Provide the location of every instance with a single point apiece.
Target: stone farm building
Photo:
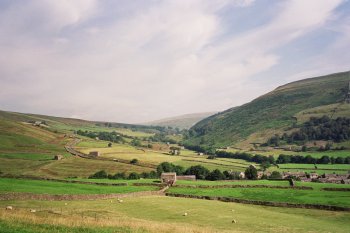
(94, 153)
(168, 177)
(189, 177)
(58, 157)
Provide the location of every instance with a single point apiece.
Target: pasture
(335, 198)
(53, 187)
(165, 214)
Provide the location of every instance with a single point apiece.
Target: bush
(275, 175)
(199, 171)
(169, 167)
(119, 176)
(99, 175)
(134, 161)
(211, 157)
(215, 175)
(134, 176)
(251, 173)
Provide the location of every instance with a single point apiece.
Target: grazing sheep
(9, 208)
(233, 210)
(234, 221)
(32, 211)
(111, 201)
(65, 203)
(185, 214)
(120, 201)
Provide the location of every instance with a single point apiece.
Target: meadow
(165, 214)
(54, 187)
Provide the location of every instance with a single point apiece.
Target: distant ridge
(185, 121)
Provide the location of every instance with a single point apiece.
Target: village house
(293, 174)
(241, 175)
(313, 175)
(335, 178)
(94, 153)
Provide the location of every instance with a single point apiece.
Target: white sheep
(120, 201)
(32, 211)
(185, 214)
(234, 221)
(9, 207)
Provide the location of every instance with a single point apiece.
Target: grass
(274, 195)
(186, 159)
(26, 156)
(165, 214)
(51, 187)
(309, 168)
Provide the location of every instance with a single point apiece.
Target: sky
(138, 61)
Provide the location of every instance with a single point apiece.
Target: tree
(275, 175)
(109, 144)
(265, 165)
(215, 175)
(199, 171)
(251, 173)
(135, 142)
(134, 176)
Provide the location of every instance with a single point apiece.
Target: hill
(273, 112)
(183, 121)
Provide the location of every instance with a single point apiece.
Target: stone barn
(189, 177)
(58, 157)
(94, 153)
(168, 178)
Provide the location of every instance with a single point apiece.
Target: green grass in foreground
(51, 187)
(16, 226)
(335, 198)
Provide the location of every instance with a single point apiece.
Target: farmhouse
(313, 175)
(58, 157)
(94, 153)
(189, 177)
(293, 174)
(168, 178)
(241, 175)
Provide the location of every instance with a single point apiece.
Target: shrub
(134, 176)
(199, 171)
(251, 173)
(134, 161)
(215, 175)
(275, 175)
(99, 175)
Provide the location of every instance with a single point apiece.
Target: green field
(335, 198)
(52, 187)
(165, 214)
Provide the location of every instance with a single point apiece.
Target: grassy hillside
(182, 122)
(271, 112)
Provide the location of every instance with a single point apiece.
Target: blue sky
(137, 61)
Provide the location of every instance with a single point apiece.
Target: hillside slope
(272, 111)
(182, 122)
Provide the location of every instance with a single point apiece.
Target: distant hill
(273, 112)
(182, 122)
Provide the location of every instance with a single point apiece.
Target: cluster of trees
(199, 171)
(322, 128)
(311, 160)
(122, 176)
(246, 156)
(107, 136)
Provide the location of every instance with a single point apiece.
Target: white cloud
(160, 59)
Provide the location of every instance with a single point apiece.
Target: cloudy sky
(136, 61)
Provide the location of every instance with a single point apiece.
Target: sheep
(32, 211)
(185, 214)
(233, 210)
(65, 203)
(9, 207)
(234, 221)
(120, 201)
